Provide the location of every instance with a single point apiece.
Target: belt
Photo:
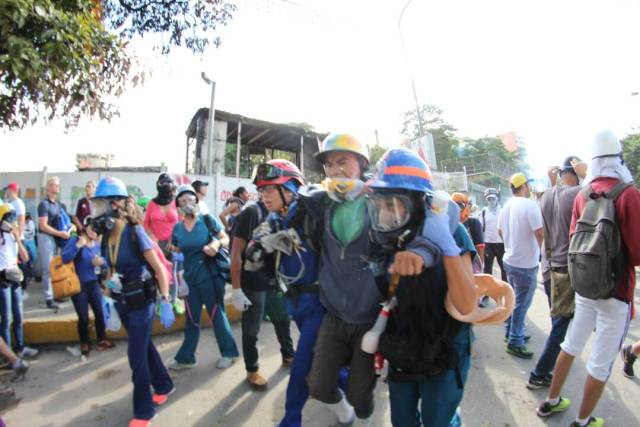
(294, 291)
(564, 270)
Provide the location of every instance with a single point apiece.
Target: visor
(100, 207)
(187, 199)
(267, 172)
(389, 212)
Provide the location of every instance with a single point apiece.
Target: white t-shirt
(203, 208)
(519, 219)
(8, 251)
(489, 219)
(18, 205)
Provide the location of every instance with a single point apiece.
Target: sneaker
(593, 422)
(256, 381)
(527, 338)
(137, 422)
(52, 305)
(225, 362)
(161, 399)
(546, 409)
(287, 361)
(521, 352)
(628, 358)
(28, 353)
(178, 366)
(536, 383)
(19, 370)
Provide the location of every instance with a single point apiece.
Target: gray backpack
(595, 252)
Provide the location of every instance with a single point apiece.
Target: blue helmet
(402, 169)
(110, 187)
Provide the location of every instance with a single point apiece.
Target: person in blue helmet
(296, 270)
(136, 279)
(199, 238)
(427, 349)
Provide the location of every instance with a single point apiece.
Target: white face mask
(343, 189)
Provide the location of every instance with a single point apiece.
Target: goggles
(267, 172)
(461, 205)
(389, 212)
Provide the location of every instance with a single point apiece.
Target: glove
(436, 230)
(167, 318)
(240, 300)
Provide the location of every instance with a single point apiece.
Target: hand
(437, 231)
(407, 263)
(97, 260)
(15, 232)
(167, 318)
(211, 249)
(240, 300)
(580, 168)
(64, 235)
(82, 241)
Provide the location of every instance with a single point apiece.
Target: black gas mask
(395, 219)
(103, 216)
(166, 188)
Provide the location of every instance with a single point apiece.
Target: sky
(553, 72)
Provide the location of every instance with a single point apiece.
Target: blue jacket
(82, 258)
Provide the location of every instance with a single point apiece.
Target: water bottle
(114, 283)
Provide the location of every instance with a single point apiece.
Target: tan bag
(562, 294)
(64, 280)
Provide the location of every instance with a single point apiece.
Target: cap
(198, 183)
(517, 180)
(13, 186)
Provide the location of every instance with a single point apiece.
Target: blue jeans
(90, 295)
(205, 294)
(523, 282)
(273, 305)
(47, 249)
(547, 361)
(146, 365)
(11, 311)
(439, 396)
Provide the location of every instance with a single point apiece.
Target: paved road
(62, 391)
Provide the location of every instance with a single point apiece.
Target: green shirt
(347, 219)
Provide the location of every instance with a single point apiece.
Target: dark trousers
(146, 365)
(271, 303)
(338, 345)
(90, 295)
(559, 326)
(491, 251)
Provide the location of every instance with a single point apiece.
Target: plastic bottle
(371, 338)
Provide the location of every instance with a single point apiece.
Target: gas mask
(394, 219)
(104, 216)
(188, 204)
(343, 189)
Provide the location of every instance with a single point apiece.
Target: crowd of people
(371, 264)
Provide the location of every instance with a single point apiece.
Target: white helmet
(606, 143)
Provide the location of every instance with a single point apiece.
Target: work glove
(437, 230)
(240, 300)
(167, 318)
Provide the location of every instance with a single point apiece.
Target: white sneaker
(28, 353)
(225, 362)
(177, 366)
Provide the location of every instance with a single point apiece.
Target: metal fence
(450, 181)
(482, 163)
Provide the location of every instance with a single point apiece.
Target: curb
(51, 331)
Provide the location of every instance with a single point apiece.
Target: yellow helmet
(342, 142)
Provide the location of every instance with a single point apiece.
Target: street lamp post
(209, 169)
(406, 58)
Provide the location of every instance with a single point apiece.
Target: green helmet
(143, 201)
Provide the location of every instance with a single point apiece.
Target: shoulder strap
(207, 221)
(616, 190)
(484, 224)
(545, 227)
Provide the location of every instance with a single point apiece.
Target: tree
(69, 58)
(375, 153)
(443, 133)
(631, 154)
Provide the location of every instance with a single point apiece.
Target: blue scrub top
(190, 244)
(129, 265)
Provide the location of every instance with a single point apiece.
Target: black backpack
(596, 254)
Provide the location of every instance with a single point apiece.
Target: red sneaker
(161, 399)
(136, 422)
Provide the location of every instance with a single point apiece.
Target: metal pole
(238, 140)
(210, 126)
(406, 58)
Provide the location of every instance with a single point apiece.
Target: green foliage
(631, 153)
(59, 58)
(375, 153)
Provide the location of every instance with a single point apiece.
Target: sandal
(105, 345)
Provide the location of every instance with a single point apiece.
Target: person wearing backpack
(493, 244)
(556, 205)
(199, 243)
(84, 252)
(520, 226)
(136, 278)
(603, 252)
(49, 211)
(255, 293)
